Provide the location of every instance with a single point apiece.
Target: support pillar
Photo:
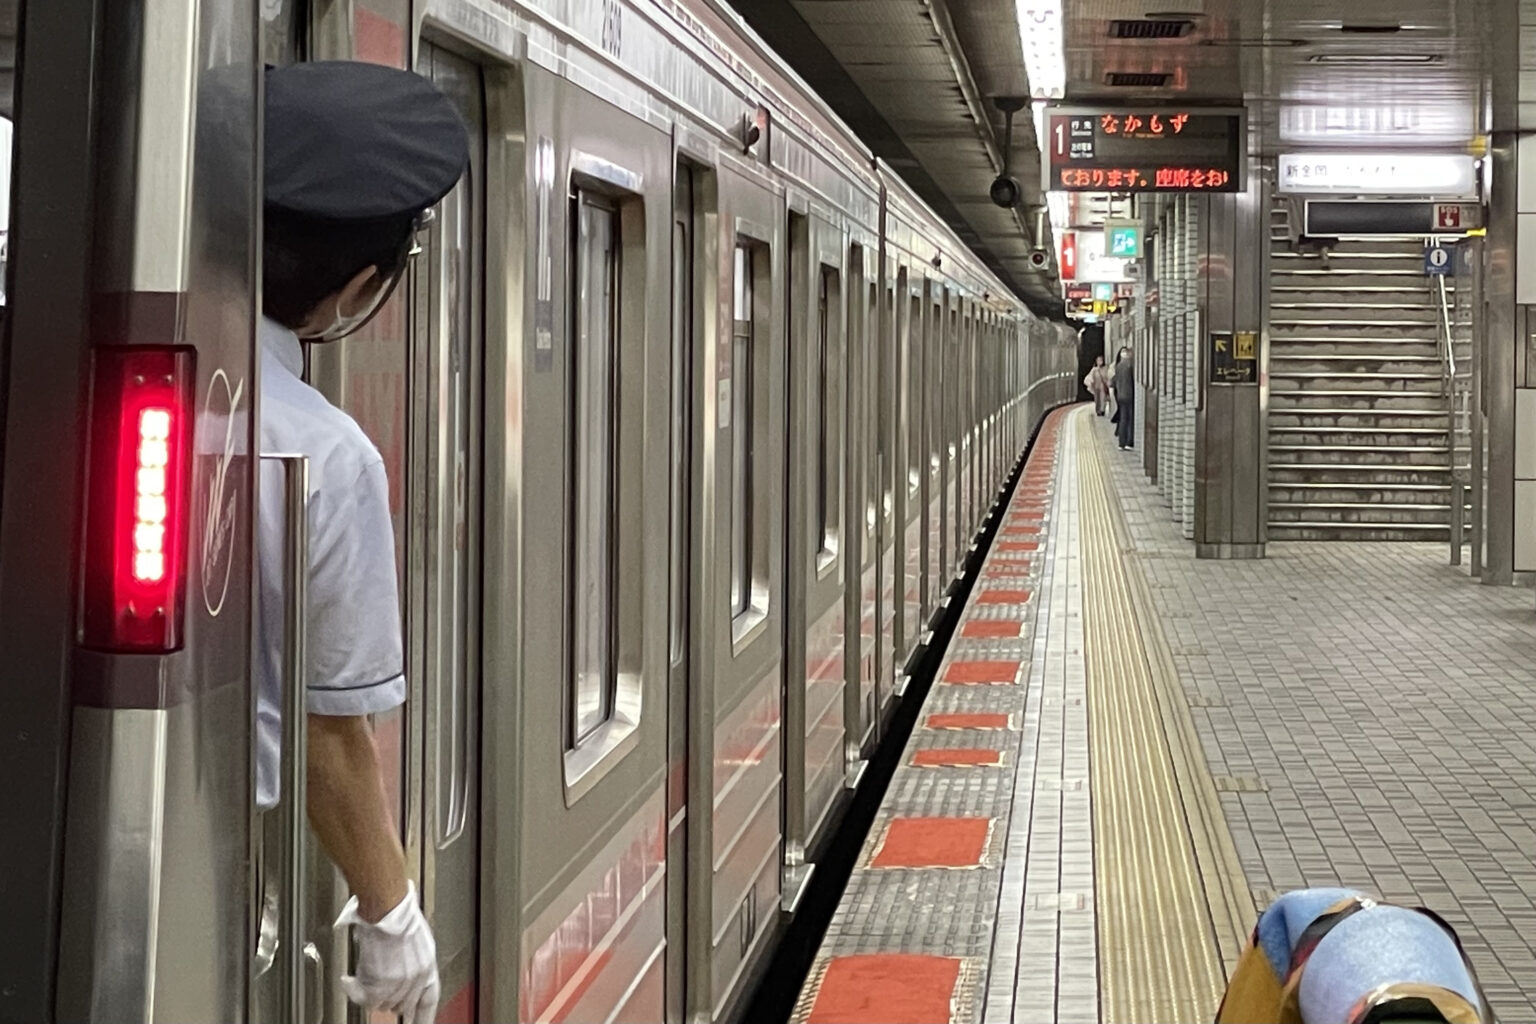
(1231, 478)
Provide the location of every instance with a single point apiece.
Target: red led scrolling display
(1152, 126)
(1183, 179)
(139, 493)
(1170, 150)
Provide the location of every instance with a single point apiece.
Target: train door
(441, 794)
(892, 483)
(873, 479)
(794, 494)
(933, 447)
(687, 205)
(910, 480)
(736, 791)
(593, 465)
(987, 366)
(950, 447)
(45, 336)
(858, 519)
(814, 626)
(968, 428)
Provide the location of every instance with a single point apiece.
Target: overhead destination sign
(1145, 149)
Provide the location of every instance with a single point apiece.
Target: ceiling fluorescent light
(1045, 57)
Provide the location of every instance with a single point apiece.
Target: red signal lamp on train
(138, 494)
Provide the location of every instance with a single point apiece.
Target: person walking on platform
(1125, 399)
(1097, 385)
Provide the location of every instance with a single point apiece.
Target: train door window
(595, 403)
(6, 129)
(914, 393)
(935, 385)
(829, 358)
(282, 32)
(681, 435)
(889, 432)
(452, 431)
(748, 409)
(872, 410)
(741, 431)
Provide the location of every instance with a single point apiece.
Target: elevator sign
(1145, 149)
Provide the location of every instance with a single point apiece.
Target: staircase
(1359, 431)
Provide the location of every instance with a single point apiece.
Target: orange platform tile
(886, 988)
(991, 629)
(1001, 595)
(933, 843)
(961, 757)
(981, 672)
(968, 721)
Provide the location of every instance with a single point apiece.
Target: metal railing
(1457, 411)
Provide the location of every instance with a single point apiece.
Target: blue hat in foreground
(350, 141)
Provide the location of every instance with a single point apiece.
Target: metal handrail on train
(297, 959)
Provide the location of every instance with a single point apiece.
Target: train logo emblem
(222, 509)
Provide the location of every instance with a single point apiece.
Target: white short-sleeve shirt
(355, 664)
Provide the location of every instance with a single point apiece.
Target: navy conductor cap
(350, 141)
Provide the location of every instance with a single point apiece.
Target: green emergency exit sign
(1122, 239)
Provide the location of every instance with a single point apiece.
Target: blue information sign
(1438, 260)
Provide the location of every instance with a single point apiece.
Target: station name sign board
(1377, 174)
(1145, 149)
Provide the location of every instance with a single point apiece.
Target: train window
(682, 404)
(828, 406)
(915, 350)
(5, 204)
(282, 33)
(593, 499)
(871, 406)
(889, 435)
(743, 427)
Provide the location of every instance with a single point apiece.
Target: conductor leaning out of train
(355, 155)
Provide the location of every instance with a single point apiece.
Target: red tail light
(139, 492)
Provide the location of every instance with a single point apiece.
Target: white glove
(396, 961)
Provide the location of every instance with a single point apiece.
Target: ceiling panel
(1336, 73)
(920, 69)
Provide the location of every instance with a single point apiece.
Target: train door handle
(293, 952)
(266, 928)
(314, 969)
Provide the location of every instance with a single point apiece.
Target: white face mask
(341, 326)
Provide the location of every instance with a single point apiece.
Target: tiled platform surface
(1382, 709)
(990, 806)
(1368, 715)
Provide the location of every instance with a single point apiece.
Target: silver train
(691, 411)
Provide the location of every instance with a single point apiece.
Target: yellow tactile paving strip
(1173, 906)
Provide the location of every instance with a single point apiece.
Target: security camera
(1039, 259)
(1005, 192)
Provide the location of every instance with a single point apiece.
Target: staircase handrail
(1447, 334)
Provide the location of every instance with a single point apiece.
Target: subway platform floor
(1127, 752)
